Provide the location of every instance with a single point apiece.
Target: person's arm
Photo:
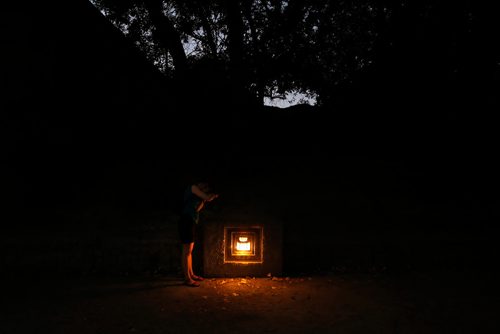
(204, 196)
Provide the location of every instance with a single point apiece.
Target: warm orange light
(242, 244)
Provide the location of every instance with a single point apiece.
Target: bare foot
(192, 284)
(197, 278)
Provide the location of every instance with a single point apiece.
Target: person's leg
(191, 273)
(192, 276)
(186, 229)
(190, 261)
(187, 250)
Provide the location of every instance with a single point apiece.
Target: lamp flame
(243, 244)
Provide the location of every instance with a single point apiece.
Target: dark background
(398, 173)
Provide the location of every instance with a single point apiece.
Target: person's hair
(204, 181)
(200, 181)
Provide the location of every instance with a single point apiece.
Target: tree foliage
(265, 48)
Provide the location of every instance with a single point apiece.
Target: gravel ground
(409, 303)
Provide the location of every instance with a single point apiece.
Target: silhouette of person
(195, 197)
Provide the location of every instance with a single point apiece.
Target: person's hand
(213, 196)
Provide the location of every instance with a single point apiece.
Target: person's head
(204, 186)
(203, 183)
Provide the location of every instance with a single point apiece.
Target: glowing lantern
(243, 245)
(251, 246)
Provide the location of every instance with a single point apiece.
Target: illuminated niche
(243, 245)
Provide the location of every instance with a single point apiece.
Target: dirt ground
(348, 303)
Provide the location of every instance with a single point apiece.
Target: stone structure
(263, 257)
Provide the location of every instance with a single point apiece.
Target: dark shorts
(187, 229)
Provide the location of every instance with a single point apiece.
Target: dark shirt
(191, 202)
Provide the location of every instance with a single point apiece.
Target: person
(195, 197)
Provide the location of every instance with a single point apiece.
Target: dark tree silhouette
(334, 50)
(265, 48)
(166, 34)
